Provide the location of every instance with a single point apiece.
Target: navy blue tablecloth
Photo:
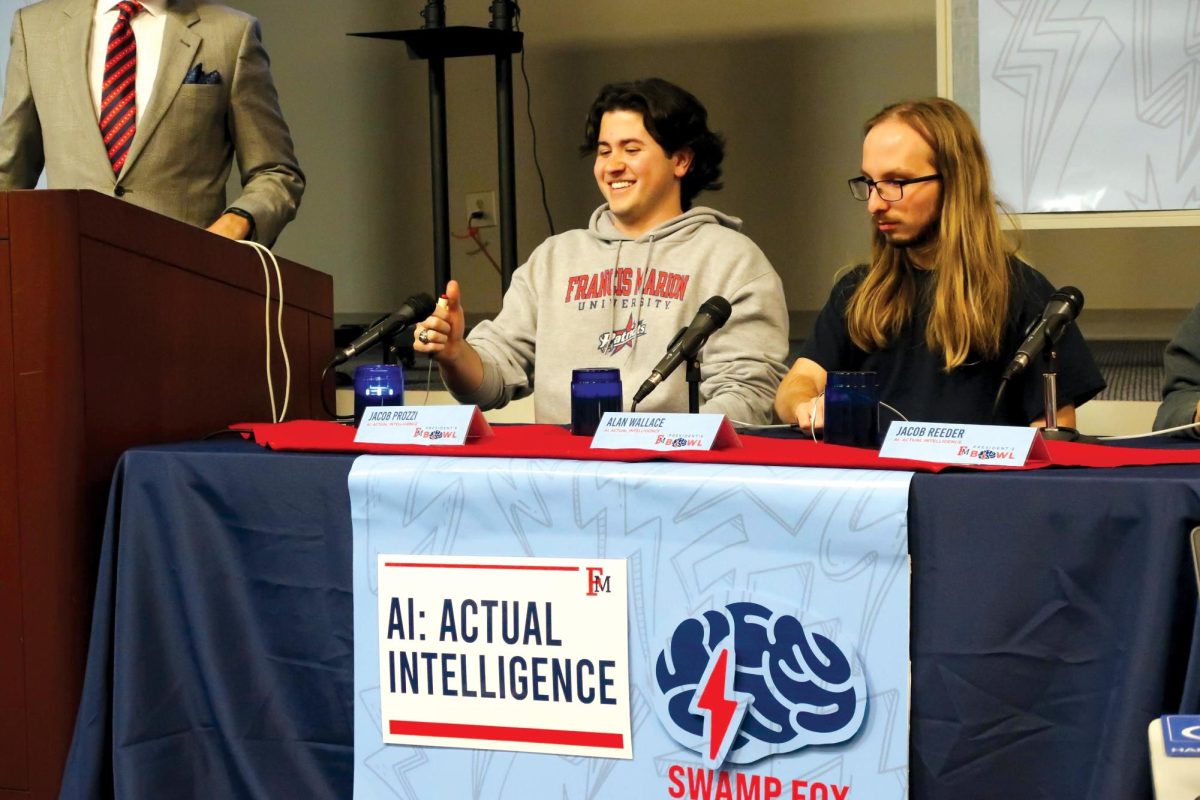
(1054, 616)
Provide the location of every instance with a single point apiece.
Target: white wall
(357, 116)
(789, 83)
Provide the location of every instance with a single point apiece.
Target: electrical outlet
(481, 209)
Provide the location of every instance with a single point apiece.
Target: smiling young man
(944, 303)
(615, 294)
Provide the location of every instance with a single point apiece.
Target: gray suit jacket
(180, 157)
(1181, 390)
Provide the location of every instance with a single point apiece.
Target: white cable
(428, 382)
(267, 331)
(287, 364)
(751, 427)
(1152, 433)
(812, 414)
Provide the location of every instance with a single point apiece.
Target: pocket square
(197, 75)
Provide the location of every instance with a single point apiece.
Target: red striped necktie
(118, 104)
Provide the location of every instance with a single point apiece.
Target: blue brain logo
(790, 688)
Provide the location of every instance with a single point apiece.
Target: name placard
(524, 654)
(650, 431)
(954, 443)
(429, 425)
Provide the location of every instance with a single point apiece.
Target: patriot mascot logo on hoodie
(613, 342)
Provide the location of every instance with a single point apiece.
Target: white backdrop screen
(1084, 105)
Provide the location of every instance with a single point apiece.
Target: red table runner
(553, 441)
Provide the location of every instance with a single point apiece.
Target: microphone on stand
(415, 308)
(714, 312)
(1061, 310)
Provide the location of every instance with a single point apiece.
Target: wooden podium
(118, 327)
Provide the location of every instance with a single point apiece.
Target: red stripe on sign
(497, 733)
(477, 566)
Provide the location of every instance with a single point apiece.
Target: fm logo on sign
(742, 682)
(598, 582)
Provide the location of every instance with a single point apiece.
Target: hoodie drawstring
(637, 326)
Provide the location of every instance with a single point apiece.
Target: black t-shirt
(912, 378)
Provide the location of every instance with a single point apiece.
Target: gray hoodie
(597, 298)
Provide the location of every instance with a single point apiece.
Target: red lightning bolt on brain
(721, 707)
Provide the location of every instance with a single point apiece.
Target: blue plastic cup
(852, 408)
(377, 385)
(593, 392)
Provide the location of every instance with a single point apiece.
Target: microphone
(714, 312)
(1061, 310)
(417, 307)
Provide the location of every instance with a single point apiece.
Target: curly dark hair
(676, 120)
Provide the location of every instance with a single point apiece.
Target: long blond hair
(970, 267)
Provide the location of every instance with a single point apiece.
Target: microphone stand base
(1068, 435)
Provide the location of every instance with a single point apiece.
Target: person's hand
(801, 396)
(441, 333)
(441, 337)
(810, 414)
(231, 226)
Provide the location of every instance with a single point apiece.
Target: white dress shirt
(148, 26)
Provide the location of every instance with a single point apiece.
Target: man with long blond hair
(944, 302)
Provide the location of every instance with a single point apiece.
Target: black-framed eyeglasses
(890, 190)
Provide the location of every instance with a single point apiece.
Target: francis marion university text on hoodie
(597, 298)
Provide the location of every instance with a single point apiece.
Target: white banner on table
(505, 654)
(767, 624)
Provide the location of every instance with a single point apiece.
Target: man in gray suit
(204, 93)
